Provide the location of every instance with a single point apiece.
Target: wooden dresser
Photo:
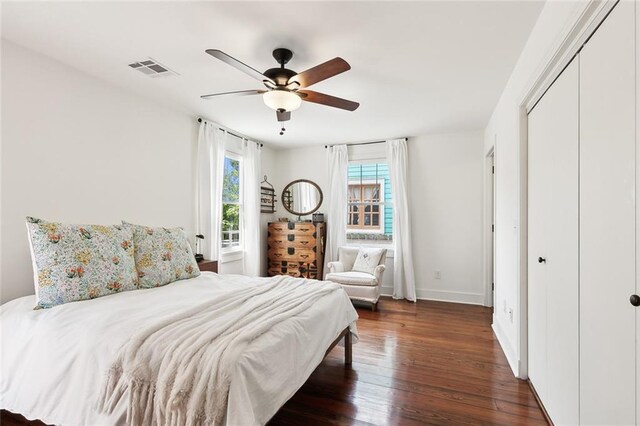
(296, 249)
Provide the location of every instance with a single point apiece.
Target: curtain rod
(359, 143)
(200, 120)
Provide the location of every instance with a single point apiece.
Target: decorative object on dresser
(208, 265)
(302, 197)
(267, 197)
(296, 249)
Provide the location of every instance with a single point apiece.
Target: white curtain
(210, 163)
(404, 285)
(337, 205)
(251, 207)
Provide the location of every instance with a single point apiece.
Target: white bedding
(54, 361)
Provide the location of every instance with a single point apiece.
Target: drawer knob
(635, 300)
(542, 260)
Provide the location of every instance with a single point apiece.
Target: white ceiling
(417, 67)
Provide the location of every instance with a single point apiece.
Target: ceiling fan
(285, 88)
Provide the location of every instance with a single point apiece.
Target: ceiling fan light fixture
(281, 100)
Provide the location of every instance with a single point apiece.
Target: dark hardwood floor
(416, 363)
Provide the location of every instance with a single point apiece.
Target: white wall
(445, 180)
(79, 150)
(300, 163)
(503, 130)
(445, 184)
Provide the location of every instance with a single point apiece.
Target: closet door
(607, 221)
(553, 248)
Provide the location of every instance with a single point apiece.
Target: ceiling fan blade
(237, 93)
(332, 101)
(320, 72)
(239, 65)
(283, 115)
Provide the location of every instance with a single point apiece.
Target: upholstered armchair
(360, 286)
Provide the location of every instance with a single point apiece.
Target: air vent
(152, 68)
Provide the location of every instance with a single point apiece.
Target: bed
(56, 361)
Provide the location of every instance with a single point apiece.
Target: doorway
(490, 228)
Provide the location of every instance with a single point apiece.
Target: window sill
(231, 255)
(373, 244)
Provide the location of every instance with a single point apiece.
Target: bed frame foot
(347, 348)
(348, 342)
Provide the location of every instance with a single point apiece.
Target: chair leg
(374, 307)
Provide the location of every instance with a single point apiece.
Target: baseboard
(508, 350)
(443, 296)
(540, 404)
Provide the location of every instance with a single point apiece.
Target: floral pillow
(162, 255)
(79, 262)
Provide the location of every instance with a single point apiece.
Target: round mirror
(302, 197)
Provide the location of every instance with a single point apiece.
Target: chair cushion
(348, 255)
(353, 278)
(367, 260)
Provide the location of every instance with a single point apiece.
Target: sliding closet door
(607, 221)
(553, 248)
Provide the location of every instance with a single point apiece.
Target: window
(364, 207)
(369, 206)
(231, 205)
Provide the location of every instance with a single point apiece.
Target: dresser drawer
(292, 254)
(291, 240)
(296, 228)
(294, 269)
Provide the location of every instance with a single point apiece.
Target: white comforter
(54, 361)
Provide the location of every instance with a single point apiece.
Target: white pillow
(367, 260)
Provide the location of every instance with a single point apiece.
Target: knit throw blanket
(178, 371)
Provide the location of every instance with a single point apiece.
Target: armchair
(360, 286)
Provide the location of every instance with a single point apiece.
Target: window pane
(230, 225)
(376, 220)
(368, 192)
(231, 181)
(354, 193)
(376, 193)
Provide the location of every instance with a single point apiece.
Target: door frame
(576, 34)
(489, 222)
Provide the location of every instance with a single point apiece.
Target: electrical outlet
(511, 315)
(437, 274)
